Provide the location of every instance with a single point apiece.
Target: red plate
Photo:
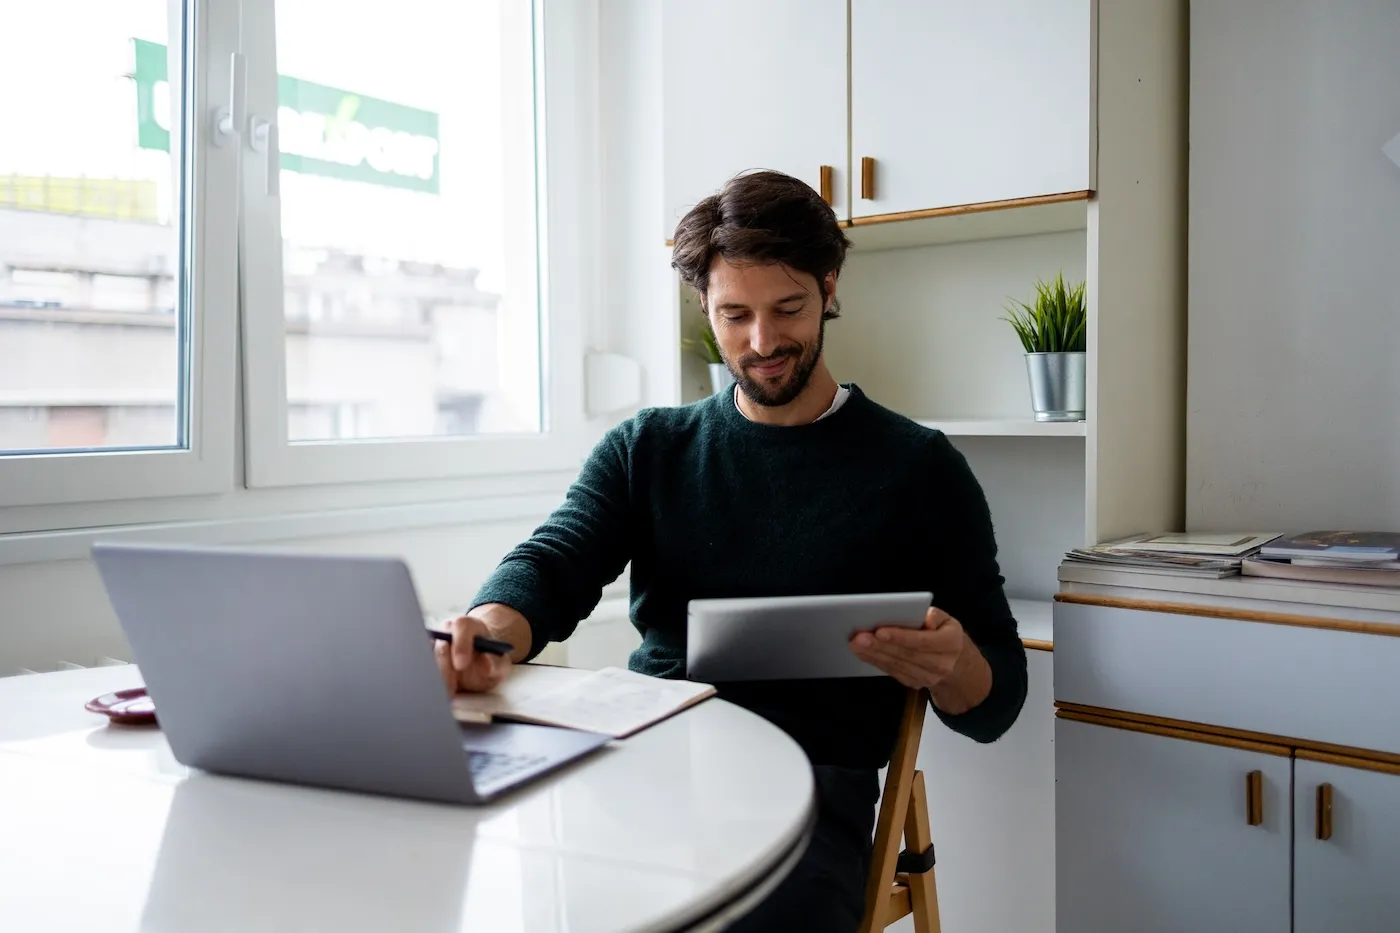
(128, 707)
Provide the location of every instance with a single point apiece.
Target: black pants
(825, 893)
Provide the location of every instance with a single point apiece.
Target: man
(790, 485)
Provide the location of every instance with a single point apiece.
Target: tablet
(791, 637)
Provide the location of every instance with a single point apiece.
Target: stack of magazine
(1211, 555)
(1369, 558)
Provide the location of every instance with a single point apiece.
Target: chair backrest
(889, 892)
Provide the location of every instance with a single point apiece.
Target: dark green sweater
(705, 503)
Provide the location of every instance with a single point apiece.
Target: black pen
(479, 642)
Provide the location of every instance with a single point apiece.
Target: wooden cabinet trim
(1173, 732)
(1238, 615)
(1302, 748)
(1038, 644)
(1350, 761)
(978, 208)
(958, 210)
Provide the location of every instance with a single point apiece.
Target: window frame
(207, 31)
(565, 275)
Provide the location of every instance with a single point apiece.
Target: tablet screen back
(791, 637)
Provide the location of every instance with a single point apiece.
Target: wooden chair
(901, 883)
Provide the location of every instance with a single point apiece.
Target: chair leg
(894, 813)
(923, 891)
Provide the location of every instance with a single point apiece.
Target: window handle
(228, 121)
(265, 141)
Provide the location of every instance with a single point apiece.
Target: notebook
(612, 701)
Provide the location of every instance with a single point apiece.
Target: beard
(782, 389)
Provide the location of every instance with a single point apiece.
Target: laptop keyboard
(490, 767)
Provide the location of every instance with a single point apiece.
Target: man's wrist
(967, 685)
(506, 624)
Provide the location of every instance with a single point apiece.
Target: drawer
(1315, 684)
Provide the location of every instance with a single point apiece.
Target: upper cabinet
(956, 103)
(950, 104)
(752, 84)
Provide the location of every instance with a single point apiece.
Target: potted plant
(707, 348)
(1053, 333)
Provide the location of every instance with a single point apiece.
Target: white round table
(685, 825)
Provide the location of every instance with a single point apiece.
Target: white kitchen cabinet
(1346, 861)
(1156, 834)
(963, 103)
(751, 84)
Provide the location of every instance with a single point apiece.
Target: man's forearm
(967, 686)
(508, 625)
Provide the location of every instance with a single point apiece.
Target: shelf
(1010, 221)
(1024, 427)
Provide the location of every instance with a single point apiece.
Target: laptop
(310, 669)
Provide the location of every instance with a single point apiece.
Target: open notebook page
(612, 701)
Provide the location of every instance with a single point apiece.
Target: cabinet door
(1153, 834)
(1345, 883)
(751, 84)
(963, 103)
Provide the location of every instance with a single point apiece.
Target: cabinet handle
(1254, 798)
(867, 178)
(1324, 812)
(825, 183)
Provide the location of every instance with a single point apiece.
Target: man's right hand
(464, 668)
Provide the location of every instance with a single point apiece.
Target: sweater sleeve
(555, 578)
(968, 586)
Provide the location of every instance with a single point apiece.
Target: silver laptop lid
(289, 666)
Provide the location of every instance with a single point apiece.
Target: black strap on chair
(914, 863)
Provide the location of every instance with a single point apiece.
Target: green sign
(321, 130)
(151, 80)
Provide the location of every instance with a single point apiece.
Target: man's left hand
(938, 656)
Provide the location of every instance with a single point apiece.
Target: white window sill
(75, 544)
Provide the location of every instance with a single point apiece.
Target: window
(117, 254)
(393, 262)
(352, 204)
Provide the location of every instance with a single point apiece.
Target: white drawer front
(1321, 685)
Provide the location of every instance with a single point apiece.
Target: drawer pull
(1324, 812)
(867, 178)
(825, 183)
(1254, 798)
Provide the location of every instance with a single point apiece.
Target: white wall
(1294, 376)
(638, 284)
(921, 329)
(921, 333)
(1037, 511)
(57, 611)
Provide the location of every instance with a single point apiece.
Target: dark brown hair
(761, 217)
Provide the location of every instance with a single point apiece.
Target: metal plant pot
(720, 377)
(1057, 385)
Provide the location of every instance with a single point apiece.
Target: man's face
(768, 322)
